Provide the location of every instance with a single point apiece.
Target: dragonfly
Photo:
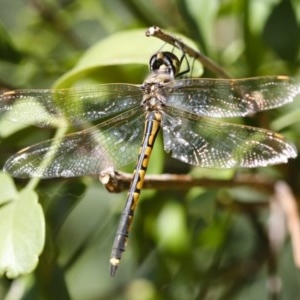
(186, 110)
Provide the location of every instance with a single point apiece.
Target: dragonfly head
(165, 63)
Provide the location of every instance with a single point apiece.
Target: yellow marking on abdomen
(152, 126)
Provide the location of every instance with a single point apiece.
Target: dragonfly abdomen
(152, 126)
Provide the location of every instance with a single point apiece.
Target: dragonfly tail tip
(114, 264)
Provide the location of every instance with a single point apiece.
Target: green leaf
(8, 128)
(286, 120)
(22, 233)
(110, 59)
(171, 230)
(8, 189)
(38, 115)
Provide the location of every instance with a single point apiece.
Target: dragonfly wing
(231, 98)
(114, 143)
(55, 108)
(208, 143)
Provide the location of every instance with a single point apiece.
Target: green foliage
(22, 229)
(206, 242)
(108, 60)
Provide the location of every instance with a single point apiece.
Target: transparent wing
(231, 98)
(208, 143)
(114, 143)
(54, 107)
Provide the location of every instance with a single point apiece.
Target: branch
(172, 40)
(116, 181)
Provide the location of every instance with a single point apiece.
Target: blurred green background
(202, 243)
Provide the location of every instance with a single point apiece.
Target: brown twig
(172, 40)
(116, 181)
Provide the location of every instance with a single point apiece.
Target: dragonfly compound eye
(165, 62)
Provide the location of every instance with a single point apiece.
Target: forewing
(208, 143)
(231, 98)
(114, 143)
(59, 107)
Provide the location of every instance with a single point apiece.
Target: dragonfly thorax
(154, 98)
